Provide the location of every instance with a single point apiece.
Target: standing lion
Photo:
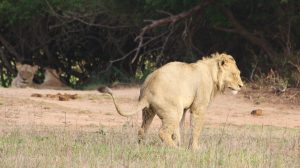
(176, 87)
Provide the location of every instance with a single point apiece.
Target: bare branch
(10, 48)
(169, 20)
(135, 50)
(165, 43)
(295, 65)
(164, 12)
(240, 29)
(5, 61)
(174, 18)
(73, 17)
(93, 24)
(225, 29)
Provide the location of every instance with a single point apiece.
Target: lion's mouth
(233, 89)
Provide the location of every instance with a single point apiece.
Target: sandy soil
(93, 110)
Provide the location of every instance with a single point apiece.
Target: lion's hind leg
(169, 128)
(147, 116)
(176, 136)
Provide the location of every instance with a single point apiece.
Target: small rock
(51, 96)
(257, 112)
(36, 95)
(255, 87)
(63, 98)
(72, 96)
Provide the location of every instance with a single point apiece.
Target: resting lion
(52, 80)
(175, 87)
(25, 76)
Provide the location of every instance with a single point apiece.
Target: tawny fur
(25, 76)
(52, 80)
(176, 87)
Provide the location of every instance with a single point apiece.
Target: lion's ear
(59, 71)
(18, 66)
(221, 63)
(35, 68)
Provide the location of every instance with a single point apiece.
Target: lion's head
(229, 74)
(25, 75)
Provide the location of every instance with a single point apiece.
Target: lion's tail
(141, 103)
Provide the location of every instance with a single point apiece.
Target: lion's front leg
(197, 118)
(182, 124)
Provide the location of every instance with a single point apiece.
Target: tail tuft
(105, 89)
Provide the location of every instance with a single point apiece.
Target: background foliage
(92, 41)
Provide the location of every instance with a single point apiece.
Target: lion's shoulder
(52, 80)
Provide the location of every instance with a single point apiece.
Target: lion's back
(175, 79)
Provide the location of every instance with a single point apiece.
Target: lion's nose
(241, 85)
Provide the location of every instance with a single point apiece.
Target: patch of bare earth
(90, 109)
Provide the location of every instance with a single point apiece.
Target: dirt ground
(91, 109)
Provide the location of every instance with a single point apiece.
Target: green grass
(247, 146)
